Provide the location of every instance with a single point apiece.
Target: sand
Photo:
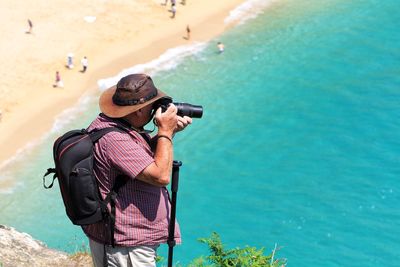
(113, 35)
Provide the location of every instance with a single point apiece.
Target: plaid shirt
(142, 210)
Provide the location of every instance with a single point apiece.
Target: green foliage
(158, 259)
(237, 257)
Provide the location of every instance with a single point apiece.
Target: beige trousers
(138, 256)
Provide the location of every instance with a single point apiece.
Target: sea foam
(70, 114)
(167, 61)
(248, 10)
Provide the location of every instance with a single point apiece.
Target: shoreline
(23, 116)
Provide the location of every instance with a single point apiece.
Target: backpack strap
(111, 198)
(120, 181)
(95, 134)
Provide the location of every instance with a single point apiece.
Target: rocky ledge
(20, 249)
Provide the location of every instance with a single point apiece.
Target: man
(85, 63)
(30, 24)
(187, 32)
(142, 205)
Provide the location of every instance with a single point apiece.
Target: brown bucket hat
(131, 93)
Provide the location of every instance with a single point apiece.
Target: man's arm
(159, 172)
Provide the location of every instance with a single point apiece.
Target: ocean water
(298, 146)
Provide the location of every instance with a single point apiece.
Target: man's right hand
(167, 121)
(159, 172)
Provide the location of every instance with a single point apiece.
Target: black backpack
(73, 158)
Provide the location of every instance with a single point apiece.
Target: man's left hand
(183, 122)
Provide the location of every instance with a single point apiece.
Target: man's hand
(167, 121)
(183, 122)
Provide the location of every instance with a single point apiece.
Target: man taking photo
(142, 205)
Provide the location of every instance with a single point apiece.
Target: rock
(20, 249)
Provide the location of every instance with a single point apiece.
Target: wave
(19, 155)
(9, 189)
(248, 10)
(167, 61)
(69, 115)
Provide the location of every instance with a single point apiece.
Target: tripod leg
(171, 231)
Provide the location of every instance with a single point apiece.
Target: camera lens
(193, 111)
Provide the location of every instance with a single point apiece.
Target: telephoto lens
(193, 111)
(184, 109)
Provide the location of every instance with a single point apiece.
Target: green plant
(160, 259)
(237, 257)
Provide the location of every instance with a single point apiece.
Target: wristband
(160, 136)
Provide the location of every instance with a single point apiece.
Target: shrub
(237, 257)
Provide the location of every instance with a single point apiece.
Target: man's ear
(138, 112)
(133, 115)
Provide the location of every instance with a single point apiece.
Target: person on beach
(142, 204)
(30, 25)
(173, 10)
(187, 32)
(58, 83)
(220, 47)
(70, 63)
(85, 64)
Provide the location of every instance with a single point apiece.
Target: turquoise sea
(299, 143)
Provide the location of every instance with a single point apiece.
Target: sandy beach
(113, 35)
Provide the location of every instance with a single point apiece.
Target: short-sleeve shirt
(142, 210)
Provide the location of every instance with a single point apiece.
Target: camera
(184, 109)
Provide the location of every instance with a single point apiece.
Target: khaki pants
(138, 256)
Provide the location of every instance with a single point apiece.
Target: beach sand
(112, 34)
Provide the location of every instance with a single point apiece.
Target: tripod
(171, 231)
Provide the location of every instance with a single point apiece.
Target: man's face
(146, 114)
(141, 117)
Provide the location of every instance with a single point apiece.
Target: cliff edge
(20, 249)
